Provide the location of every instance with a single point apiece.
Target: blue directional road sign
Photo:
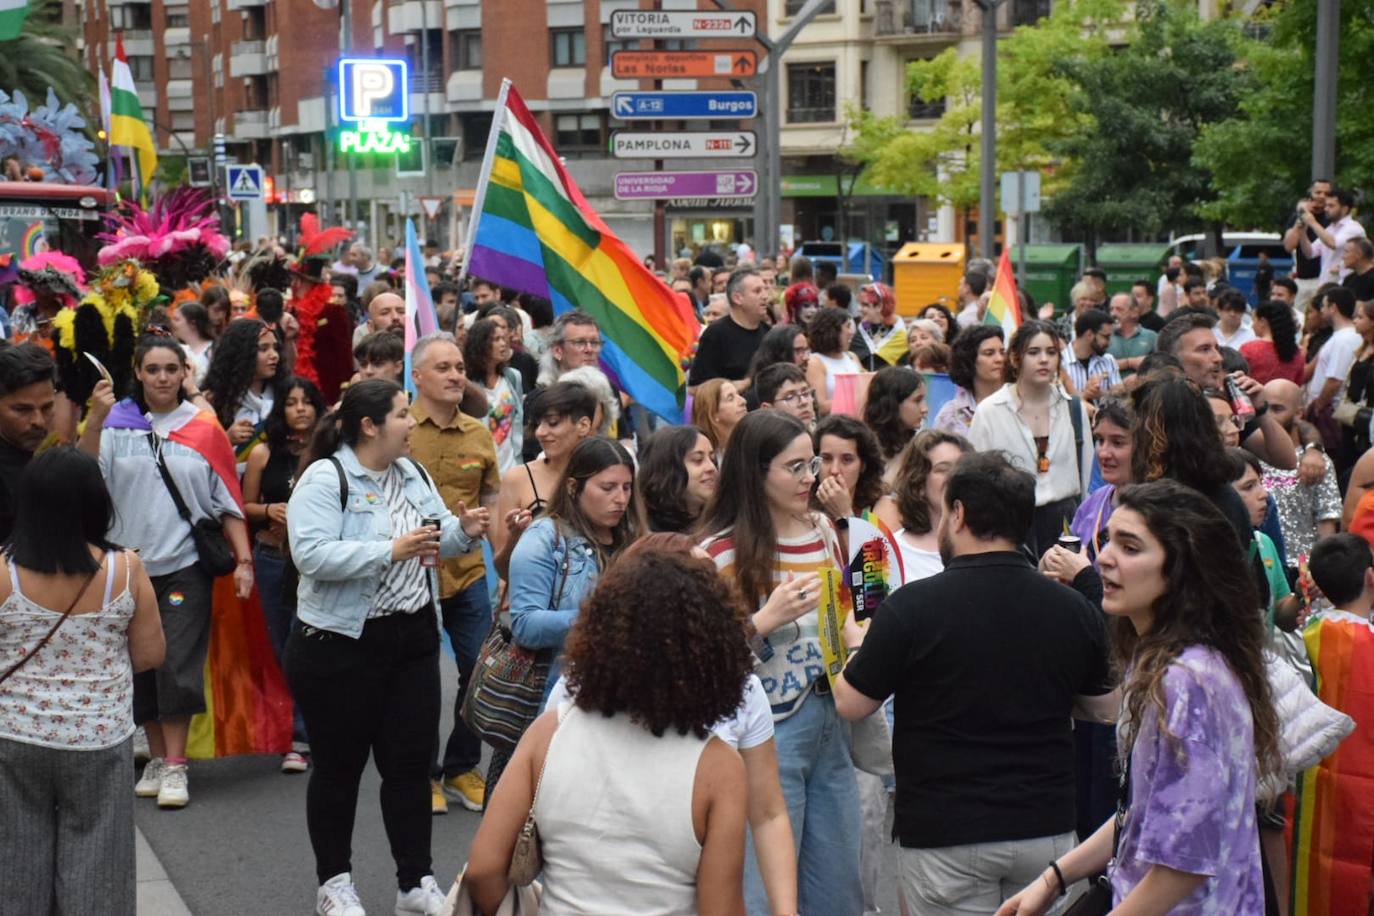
(245, 182)
(652, 106)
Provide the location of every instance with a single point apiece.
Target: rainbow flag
(1004, 306)
(421, 318)
(1333, 828)
(532, 230)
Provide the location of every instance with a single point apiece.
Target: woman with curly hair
(677, 477)
(241, 382)
(640, 808)
(830, 334)
(487, 352)
(267, 483)
(1198, 708)
(917, 502)
(894, 410)
(850, 481)
(939, 313)
(717, 408)
(977, 365)
(762, 535)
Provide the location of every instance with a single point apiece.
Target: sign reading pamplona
(374, 106)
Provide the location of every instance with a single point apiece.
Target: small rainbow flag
(1004, 306)
(1333, 828)
(421, 318)
(532, 230)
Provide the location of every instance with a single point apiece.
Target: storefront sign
(374, 137)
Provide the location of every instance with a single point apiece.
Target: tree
(1261, 157)
(45, 55)
(942, 162)
(1141, 112)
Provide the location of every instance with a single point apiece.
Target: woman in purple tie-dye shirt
(1196, 716)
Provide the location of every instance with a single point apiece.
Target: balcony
(413, 15)
(251, 124)
(244, 4)
(248, 58)
(918, 22)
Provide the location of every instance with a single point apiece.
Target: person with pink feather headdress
(49, 282)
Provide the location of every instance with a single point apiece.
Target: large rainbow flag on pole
(1004, 306)
(421, 318)
(532, 230)
(1333, 826)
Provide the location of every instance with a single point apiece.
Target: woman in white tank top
(77, 619)
(830, 333)
(640, 809)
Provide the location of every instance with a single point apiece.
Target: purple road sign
(662, 185)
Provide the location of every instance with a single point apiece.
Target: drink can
(430, 560)
(1071, 542)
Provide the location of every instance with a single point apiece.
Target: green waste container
(1050, 273)
(1125, 264)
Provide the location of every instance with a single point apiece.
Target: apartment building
(261, 73)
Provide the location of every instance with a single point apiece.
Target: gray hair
(929, 326)
(417, 354)
(595, 381)
(560, 324)
(361, 248)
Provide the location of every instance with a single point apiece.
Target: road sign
(684, 144)
(657, 65)
(245, 182)
(198, 172)
(1014, 186)
(642, 106)
(373, 89)
(431, 206)
(667, 185)
(684, 24)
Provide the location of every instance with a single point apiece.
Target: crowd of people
(1087, 581)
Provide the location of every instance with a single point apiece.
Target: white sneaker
(150, 783)
(173, 793)
(425, 900)
(141, 752)
(338, 897)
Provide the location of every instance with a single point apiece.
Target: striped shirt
(790, 661)
(405, 586)
(1104, 367)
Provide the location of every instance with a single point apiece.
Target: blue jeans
(467, 620)
(818, 784)
(269, 567)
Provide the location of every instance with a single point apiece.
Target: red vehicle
(37, 216)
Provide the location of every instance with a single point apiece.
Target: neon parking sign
(374, 89)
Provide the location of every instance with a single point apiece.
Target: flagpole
(480, 197)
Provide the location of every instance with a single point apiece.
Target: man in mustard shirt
(460, 457)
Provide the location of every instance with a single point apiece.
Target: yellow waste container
(926, 272)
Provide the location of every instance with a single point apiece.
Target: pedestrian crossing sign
(245, 182)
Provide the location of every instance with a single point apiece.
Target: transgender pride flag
(421, 318)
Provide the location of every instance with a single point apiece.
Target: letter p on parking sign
(373, 89)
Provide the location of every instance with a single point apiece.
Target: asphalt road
(241, 845)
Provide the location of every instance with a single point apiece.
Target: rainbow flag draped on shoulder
(532, 230)
(1333, 827)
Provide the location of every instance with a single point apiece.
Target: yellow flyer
(831, 615)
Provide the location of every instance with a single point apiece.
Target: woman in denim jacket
(364, 663)
(591, 517)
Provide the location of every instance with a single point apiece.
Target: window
(131, 17)
(476, 129)
(863, 85)
(178, 20)
(179, 68)
(578, 132)
(810, 93)
(465, 46)
(610, 44)
(183, 121)
(141, 67)
(921, 110)
(794, 7)
(1028, 12)
(569, 47)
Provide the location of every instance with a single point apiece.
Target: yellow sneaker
(437, 803)
(468, 789)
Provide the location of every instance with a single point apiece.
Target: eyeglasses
(586, 343)
(802, 469)
(796, 397)
(1233, 422)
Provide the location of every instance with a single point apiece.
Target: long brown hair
(1210, 600)
(706, 411)
(909, 487)
(590, 457)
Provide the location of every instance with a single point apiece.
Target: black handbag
(1097, 899)
(213, 554)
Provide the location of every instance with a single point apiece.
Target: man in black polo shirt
(987, 660)
(727, 347)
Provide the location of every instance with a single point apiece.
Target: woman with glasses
(1228, 424)
(763, 536)
(881, 340)
(785, 343)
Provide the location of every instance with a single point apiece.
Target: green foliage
(44, 54)
(1262, 156)
(1145, 108)
(942, 161)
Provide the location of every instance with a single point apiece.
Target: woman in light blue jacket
(364, 663)
(591, 517)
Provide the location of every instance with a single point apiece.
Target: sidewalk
(156, 895)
